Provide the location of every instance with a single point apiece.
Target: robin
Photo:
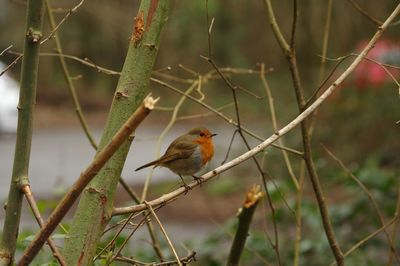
(187, 154)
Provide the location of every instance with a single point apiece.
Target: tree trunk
(95, 207)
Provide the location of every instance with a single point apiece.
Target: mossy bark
(95, 207)
(27, 98)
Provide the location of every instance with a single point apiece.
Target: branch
(184, 261)
(275, 124)
(164, 233)
(365, 13)
(6, 49)
(54, 30)
(26, 189)
(221, 115)
(245, 216)
(67, 76)
(275, 28)
(87, 175)
(364, 240)
(56, 27)
(370, 197)
(268, 142)
(26, 104)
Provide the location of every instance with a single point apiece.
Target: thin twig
(150, 174)
(299, 200)
(239, 128)
(275, 124)
(368, 237)
(35, 210)
(6, 49)
(164, 232)
(294, 25)
(189, 117)
(317, 91)
(54, 30)
(164, 84)
(162, 135)
(117, 253)
(13, 63)
(395, 226)
(306, 136)
(325, 41)
(229, 146)
(67, 76)
(221, 115)
(365, 13)
(87, 175)
(112, 241)
(184, 261)
(369, 195)
(120, 222)
(267, 142)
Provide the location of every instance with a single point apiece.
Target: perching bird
(187, 154)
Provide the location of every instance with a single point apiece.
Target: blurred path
(59, 155)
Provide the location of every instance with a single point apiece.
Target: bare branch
(295, 122)
(370, 197)
(26, 189)
(365, 13)
(73, 193)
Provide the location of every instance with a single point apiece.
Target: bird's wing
(179, 149)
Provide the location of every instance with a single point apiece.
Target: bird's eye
(202, 134)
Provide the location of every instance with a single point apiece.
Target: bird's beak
(212, 135)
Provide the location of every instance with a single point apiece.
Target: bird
(187, 154)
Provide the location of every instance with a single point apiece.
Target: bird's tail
(155, 163)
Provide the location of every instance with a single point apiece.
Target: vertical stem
(395, 226)
(178, 261)
(290, 53)
(326, 39)
(275, 125)
(67, 76)
(302, 165)
(82, 120)
(27, 98)
(95, 206)
(299, 201)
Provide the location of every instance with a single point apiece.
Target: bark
(245, 216)
(27, 98)
(95, 207)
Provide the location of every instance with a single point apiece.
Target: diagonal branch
(26, 189)
(87, 175)
(370, 197)
(262, 146)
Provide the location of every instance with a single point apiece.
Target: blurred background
(358, 123)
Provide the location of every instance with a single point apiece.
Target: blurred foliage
(358, 125)
(241, 35)
(350, 210)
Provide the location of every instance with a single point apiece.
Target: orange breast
(206, 148)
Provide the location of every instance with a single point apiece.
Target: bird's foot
(187, 187)
(198, 179)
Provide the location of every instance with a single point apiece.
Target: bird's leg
(198, 179)
(185, 185)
